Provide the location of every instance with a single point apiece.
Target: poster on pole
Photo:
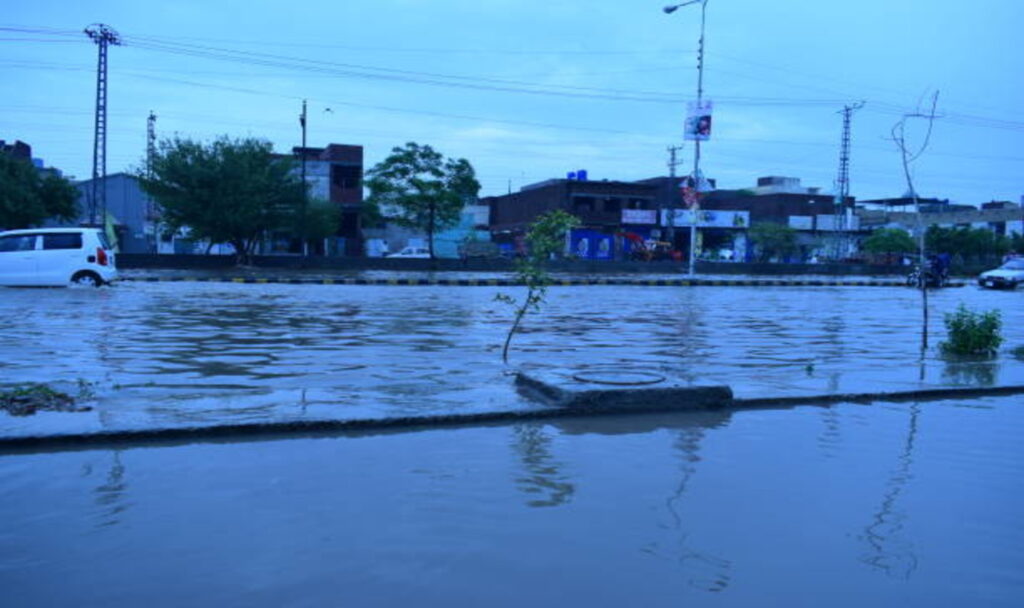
(698, 121)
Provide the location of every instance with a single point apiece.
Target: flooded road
(166, 354)
(912, 504)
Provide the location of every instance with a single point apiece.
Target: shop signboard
(639, 216)
(707, 218)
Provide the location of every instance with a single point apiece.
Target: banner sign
(708, 219)
(639, 216)
(827, 223)
(698, 121)
(590, 245)
(801, 222)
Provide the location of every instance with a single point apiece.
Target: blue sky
(527, 90)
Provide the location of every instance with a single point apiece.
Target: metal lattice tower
(103, 36)
(842, 188)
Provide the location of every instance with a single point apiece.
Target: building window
(583, 204)
(612, 205)
(346, 177)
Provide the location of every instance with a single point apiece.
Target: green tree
(29, 197)
(1017, 242)
(229, 191)
(417, 187)
(889, 240)
(773, 240)
(969, 243)
(545, 238)
(320, 221)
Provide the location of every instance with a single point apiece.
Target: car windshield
(1015, 264)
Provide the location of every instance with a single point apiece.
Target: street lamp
(700, 98)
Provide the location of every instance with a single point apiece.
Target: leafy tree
(320, 221)
(229, 191)
(967, 242)
(889, 240)
(773, 240)
(1017, 242)
(28, 197)
(426, 190)
(545, 238)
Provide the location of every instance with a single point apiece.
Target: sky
(528, 90)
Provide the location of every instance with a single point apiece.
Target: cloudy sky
(529, 89)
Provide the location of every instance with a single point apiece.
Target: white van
(55, 257)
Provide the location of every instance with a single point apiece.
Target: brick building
(335, 174)
(601, 207)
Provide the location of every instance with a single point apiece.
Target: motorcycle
(927, 277)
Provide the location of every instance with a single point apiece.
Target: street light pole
(696, 154)
(305, 187)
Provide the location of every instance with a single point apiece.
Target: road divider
(513, 283)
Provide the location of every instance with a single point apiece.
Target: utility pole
(150, 155)
(670, 227)
(841, 208)
(305, 188)
(150, 143)
(103, 36)
(695, 207)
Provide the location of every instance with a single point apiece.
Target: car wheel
(87, 279)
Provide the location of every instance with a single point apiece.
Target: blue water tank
(581, 175)
(570, 175)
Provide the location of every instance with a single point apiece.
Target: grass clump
(972, 333)
(28, 399)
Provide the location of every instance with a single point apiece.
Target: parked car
(412, 252)
(56, 257)
(1007, 276)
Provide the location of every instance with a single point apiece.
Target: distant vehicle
(646, 250)
(1007, 276)
(412, 252)
(930, 276)
(56, 257)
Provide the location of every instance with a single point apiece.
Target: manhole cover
(617, 378)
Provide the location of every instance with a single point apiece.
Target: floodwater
(185, 354)
(910, 504)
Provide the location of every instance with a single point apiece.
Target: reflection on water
(889, 550)
(648, 510)
(971, 373)
(701, 569)
(543, 481)
(110, 494)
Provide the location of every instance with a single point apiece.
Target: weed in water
(972, 333)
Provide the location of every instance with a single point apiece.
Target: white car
(56, 257)
(412, 252)
(1007, 276)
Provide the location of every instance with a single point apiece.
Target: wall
(504, 265)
